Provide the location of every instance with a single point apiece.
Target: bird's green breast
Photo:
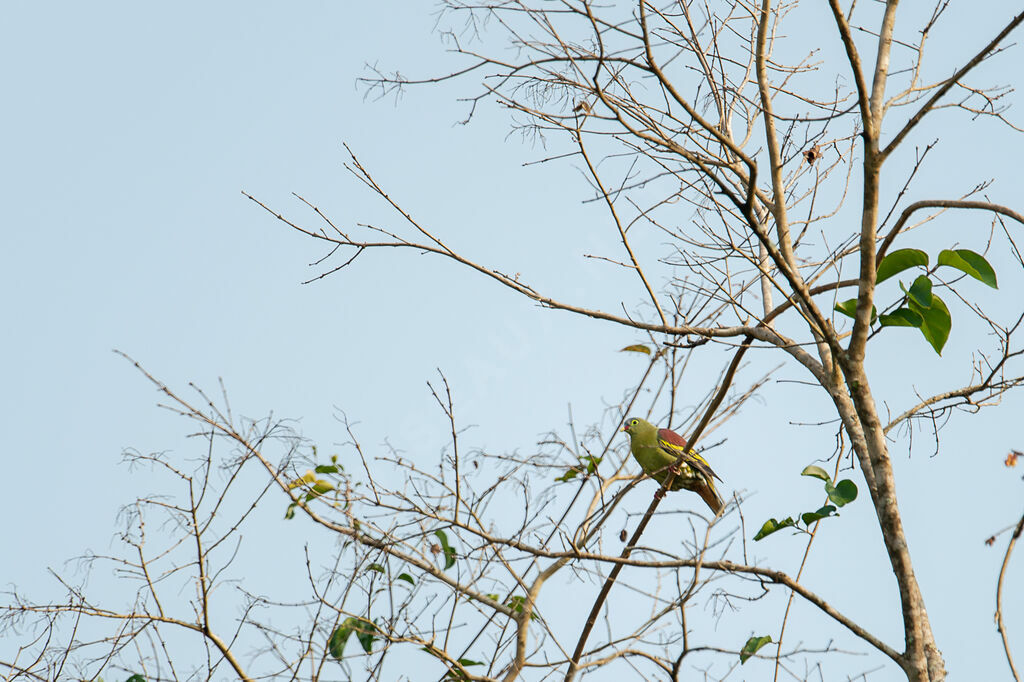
(655, 462)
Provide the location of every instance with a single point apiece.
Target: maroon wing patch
(672, 438)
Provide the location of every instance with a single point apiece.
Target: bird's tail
(711, 497)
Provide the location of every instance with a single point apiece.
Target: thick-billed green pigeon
(657, 450)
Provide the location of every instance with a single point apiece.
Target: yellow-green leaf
(752, 646)
(772, 525)
(636, 348)
(306, 478)
(318, 488)
(816, 472)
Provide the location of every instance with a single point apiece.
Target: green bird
(658, 449)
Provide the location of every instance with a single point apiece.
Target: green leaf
(772, 525)
(336, 643)
(290, 512)
(326, 469)
(937, 322)
(517, 603)
(897, 261)
(375, 567)
(752, 646)
(366, 633)
(568, 475)
(453, 673)
(636, 348)
(587, 463)
(844, 492)
(901, 317)
(406, 577)
(449, 552)
(457, 674)
(817, 472)
(848, 308)
(921, 292)
(136, 678)
(810, 517)
(974, 264)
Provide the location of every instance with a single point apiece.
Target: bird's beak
(624, 428)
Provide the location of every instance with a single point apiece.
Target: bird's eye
(633, 423)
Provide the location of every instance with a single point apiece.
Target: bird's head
(635, 426)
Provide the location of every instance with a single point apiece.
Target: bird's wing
(670, 437)
(675, 445)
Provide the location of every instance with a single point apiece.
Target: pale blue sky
(129, 131)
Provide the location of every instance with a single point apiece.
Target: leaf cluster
(840, 494)
(920, 307)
